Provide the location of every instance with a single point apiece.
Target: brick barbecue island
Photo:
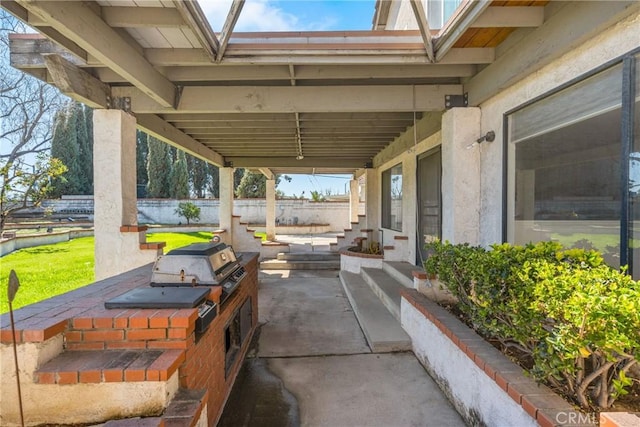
(81, 363)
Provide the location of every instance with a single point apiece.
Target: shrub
(189, 211)
(577, 319)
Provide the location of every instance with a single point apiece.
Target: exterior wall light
(489, 137)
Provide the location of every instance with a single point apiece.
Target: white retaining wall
(29, 241)
(469, 388)
(162, 211)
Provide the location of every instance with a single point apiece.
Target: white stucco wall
(162, 211)
(607, 45)
(455, 373)
(409, 161)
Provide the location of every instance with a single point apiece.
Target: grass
(50, 270)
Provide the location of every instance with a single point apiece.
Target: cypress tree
(158, 169)
(84, 137)
(252, 185)
(142, 149)
(64, 146)
(214, 180)
(179, 177)
(238, 174)
(198, 175)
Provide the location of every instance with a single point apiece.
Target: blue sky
(300, 15)
(288, 15)
(336, 184)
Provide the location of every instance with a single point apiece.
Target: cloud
(260, 15)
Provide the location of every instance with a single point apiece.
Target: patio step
(110, 366)
(385, 287)
(309, 256)
(381, 330)
(401, 271)
(324, 260)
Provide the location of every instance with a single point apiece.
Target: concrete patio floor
(310, 365)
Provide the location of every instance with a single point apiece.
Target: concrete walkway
(311, 366)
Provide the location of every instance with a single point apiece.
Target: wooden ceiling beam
(420, 14)
(77, 83)
(143, 17)
(227, 29)
(290, 161)
(291, 99)
(78, 22)
(510, 17)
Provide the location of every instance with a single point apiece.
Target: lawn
(49, 270)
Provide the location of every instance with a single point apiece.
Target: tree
(27, 108)
(64, 146)
(254, 185)
(189, 211)
(142, 149)
(237, 177)
(84, 138)
(73, 144)
(179, 177)
(158, 169)
(198, 176)
(214, 181)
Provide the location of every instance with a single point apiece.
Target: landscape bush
(573, 318)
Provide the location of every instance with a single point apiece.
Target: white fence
(32, 240)
(163, 211)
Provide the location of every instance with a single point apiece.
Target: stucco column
(225, 213)
(114, 176)
(461, 175)
(271, 209)
(372, 198)
(354, 200)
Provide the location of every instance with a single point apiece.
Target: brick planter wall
(482, 383)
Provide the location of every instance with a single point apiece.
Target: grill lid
(196, 264)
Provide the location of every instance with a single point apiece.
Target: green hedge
(574, 317)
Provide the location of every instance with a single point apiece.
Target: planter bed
(483, 384)
(352, 261)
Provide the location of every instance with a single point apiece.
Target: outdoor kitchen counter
(42, 320)
(207, 361)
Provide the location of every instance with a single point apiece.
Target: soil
(627, 403)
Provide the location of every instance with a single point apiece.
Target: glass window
(567, 169)
(392, 198)
(439, 12)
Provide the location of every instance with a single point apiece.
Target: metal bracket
(119, 103)
(228, 164)
(368, 165)
(451, 101)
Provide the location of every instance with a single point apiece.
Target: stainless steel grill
(200, 264)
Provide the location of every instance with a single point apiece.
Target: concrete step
(381, 330)
(309, 256)
(401, 271)
(276, 264)
(110, 366)
(385, 287)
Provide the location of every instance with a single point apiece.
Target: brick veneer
(117, 345)
(537, 400)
